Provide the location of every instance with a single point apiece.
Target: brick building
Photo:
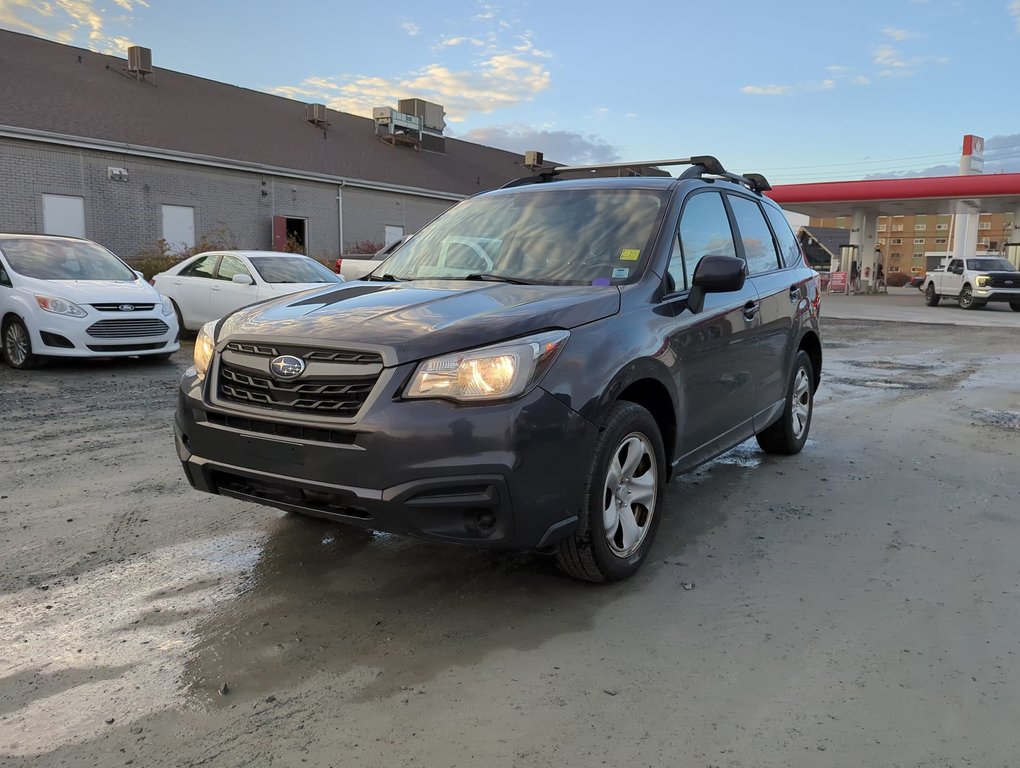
(127, 154)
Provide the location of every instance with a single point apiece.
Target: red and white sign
(973, 159)
(837, 282)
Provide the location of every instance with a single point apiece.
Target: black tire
(931, 298)
(788, 434)
(1015, 306)
(966, 299)
(180, 320)
(588, 553)
(17, 345)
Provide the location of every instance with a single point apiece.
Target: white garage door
(63, 215)
(179, 226)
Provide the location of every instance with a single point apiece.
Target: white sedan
(211, 285)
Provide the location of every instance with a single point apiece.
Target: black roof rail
(700, 165)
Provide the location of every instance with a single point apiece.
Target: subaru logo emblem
(287, 366)
(127, 307)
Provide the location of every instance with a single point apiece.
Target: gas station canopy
(992, 193)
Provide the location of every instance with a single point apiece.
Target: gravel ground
(858, 604)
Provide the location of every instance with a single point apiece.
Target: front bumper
(506, 475)
(94, 336)
(997, 295)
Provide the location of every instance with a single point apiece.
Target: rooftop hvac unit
(432, 114)
(140, 60)
(315, 114)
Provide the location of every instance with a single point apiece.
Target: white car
(67, 297)
(211, 285)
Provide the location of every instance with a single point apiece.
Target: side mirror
(242, 278)
(715, 274)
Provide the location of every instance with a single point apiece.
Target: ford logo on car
(287, 366)
(127, 307)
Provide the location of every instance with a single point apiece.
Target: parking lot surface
(852, 605)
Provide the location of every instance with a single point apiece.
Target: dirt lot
(858, 604)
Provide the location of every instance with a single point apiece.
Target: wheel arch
(811, 344)
(655, 397)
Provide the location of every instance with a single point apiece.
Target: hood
(93, 291)
(412, 321)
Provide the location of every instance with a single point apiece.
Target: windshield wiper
(496, 278)
(387, 278)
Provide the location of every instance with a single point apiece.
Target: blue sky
(800, 91)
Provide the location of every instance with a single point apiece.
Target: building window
(984, 225)
(895, 255)
(940, 241)
(920, 227)
(881, 241)
(897, 227)
(881, 227)
(392, 234)
(896, 241)
(841, 221)
(63, 215)
(894, 269)
(918, 241)
(179, 226)
(942, 226)
(984, 241)
(918, 255)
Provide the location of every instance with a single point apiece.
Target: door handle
(794, 293)
(750, 310)
(215, 288)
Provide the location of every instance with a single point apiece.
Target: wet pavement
(854, 604)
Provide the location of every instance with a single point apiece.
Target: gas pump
(842, 280)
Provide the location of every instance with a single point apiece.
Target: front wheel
(931, 297)
(622, 500)
(966, 299)
(790, 432)
(17, 345)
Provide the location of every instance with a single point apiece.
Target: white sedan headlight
(168, 306)
(498, 372)
(205, 345)
(59, 306)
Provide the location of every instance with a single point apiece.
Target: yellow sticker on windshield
(630, 254)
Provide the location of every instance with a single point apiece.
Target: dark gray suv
(526, 372)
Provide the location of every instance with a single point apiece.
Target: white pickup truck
(974, 282)
(356, 265)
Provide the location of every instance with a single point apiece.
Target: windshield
(552, 236)
(986, 265)
(300, 269)
(64, 260)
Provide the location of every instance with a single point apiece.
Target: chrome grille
(127, 329)
(320, 355)
(121, 307)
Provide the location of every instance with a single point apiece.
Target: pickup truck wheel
(788, 434)
(931, 298)
(17, 345)
(966, 299)
(1015, 306)
(622, 499)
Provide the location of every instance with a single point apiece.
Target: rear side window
(789, 249)
(759, 247)
(202, 268)
(704, 231)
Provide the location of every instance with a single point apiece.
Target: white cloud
(462, 40)
(892, 63)
(767, 90)
(411, 28)
(837, 68)
(68, 21)
(898, 34)
(557, 146)
(1014, 10)
(861, 80)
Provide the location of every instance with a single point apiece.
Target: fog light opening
(480, 520)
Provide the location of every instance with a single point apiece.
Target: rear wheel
(17, 345)
(966, 299)
(622, 501)
(1015, 306)
(931, 297)
(790, 432)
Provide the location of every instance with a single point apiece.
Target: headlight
(205, 344)
(983, 280)
(59, 306)
(168, 306)
(491, 373)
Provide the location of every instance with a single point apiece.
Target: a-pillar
(862, 234)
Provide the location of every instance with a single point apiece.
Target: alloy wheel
(800, 413)
(16, 344)
(629, 495)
